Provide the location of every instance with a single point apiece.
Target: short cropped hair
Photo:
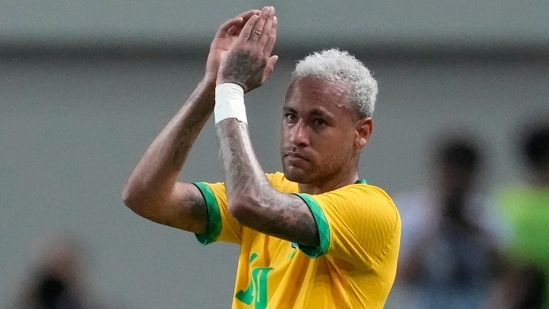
(339, 66)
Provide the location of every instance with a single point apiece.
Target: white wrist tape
(229, 103)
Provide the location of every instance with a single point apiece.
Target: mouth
(295, 157)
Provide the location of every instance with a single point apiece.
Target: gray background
(86, 85)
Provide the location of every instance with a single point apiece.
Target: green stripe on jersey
(321, 224)
(214, 216)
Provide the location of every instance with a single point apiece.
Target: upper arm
(188, 209)
(183, 207)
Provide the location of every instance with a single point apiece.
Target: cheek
(339, 156)
(334, 140)
(334, 152)
(340, 146)
(283, 135)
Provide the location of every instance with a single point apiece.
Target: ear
(364, 128)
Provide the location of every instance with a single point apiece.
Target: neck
(331, 184)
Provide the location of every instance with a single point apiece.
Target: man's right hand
(226, 34)
(249, 61)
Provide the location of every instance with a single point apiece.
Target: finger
(232, 25)
(258, 28)
(267, 27)
(232, 31)
(269, 68)
(229, 26)
(246, 16)
(269, 39)
(247, 29)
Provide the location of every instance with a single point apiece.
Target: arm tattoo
(193, 213)
(282, 215)
(292, 218)
(200, 107)
(198, 207)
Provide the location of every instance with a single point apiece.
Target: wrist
(209, 80)
(220, 81)
(229, 102)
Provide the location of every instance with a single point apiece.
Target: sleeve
(221, 225)
(358, 223)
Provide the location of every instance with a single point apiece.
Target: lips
(295, 156)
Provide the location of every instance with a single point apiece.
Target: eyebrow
(289, 109)
(318, 112)
(314, 112)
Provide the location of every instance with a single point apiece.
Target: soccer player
(313, 236)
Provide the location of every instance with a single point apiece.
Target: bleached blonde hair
(339, 66)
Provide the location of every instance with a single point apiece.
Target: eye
(290, 117)
(319, 122)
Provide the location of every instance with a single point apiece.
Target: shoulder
(359, 201)
(363, 217)
(360, 193)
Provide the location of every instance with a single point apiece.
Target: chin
(299, 176)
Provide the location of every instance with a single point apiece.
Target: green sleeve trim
(214, 215)
(322, 226)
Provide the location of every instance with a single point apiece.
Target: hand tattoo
(244, 68)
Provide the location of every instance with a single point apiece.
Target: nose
(298, 134)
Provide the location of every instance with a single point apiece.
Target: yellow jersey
(353, 267)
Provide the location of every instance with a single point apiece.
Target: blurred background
(86, 85)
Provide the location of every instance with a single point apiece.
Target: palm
(218, 49)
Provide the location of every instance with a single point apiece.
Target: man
(524, 204)
(452, 234)
(315, 236)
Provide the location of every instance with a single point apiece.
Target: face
(321, 135)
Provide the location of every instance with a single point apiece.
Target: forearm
(244, 176)
(155, 175)
(246, 184)
(252, 199)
